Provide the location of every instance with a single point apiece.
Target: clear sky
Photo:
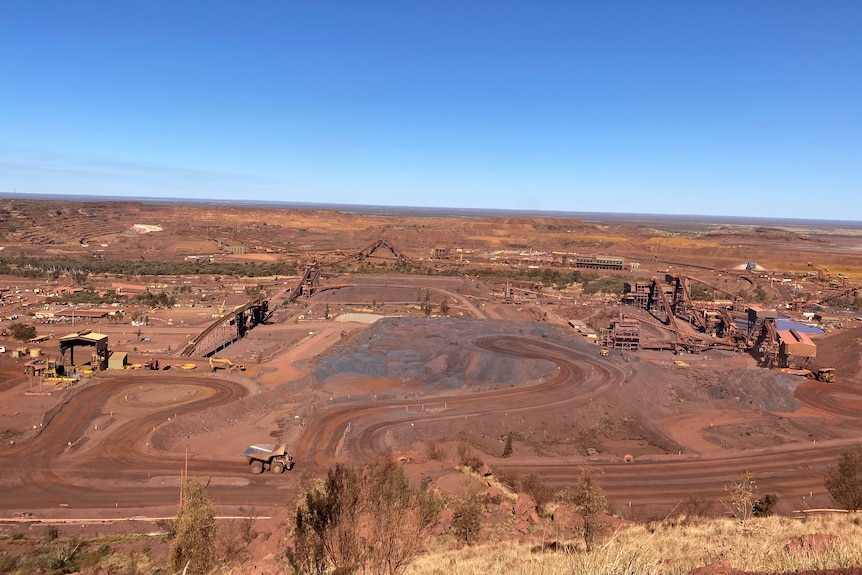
(725, 107)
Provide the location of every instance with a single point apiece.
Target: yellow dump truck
(272, 457)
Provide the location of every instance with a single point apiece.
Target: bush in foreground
(193, 531)
(844, 480)
(371, 519)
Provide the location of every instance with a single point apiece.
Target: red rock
(495, 494)
(524, 506)
(817, 543)
(522, 527)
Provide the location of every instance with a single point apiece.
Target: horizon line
(379, 209)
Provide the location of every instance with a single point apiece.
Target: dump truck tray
(266, 450)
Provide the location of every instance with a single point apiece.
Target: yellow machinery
(217, 363)
(51, 372)
(824, 374)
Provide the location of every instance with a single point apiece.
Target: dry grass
(681, 243)
(663, 549)
(590, 238)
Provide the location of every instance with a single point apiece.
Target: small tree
(469, 508)
(591, 503)
(371, 519)
(844, 480)
(696, 506)
(22, 331)
(507, 450)
(742, 494)
(326, 525)
(766, 505)
(194, 531)
(444, 307)
(400, 516)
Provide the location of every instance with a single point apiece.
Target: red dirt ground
(116, 445)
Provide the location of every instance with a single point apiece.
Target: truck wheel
(257, 467)
(277, 467)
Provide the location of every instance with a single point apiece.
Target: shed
(757, 313)
(99, 341)
(796, 343)
(118, 360)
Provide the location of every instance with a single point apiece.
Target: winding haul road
(72, 464)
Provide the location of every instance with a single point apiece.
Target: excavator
(217, 363)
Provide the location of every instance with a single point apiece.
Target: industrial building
(98, 341)
(795, 348)
(624, 334)
(600, 263)
(637, 294)
(118, 360)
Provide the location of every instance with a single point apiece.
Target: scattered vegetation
(741, 495)
(590, 501)
(57, 557)
(533, 485)
(52, 533)
(193, 531)
(437, 450)
(369, 519)
(606, 284)
(90, 296)
(507, 450)
(468, 459)
(373, 520)
(53, 267)
(151, 299)
(844, 480)
(234, 537)
(469, 508)
(766, 505)
(427, 307)
(696, 507)
(551, 277)
(667, 548)
(699, 292)
(22, 332)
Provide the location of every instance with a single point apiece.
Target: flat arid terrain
(654, 349)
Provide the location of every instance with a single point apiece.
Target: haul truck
(271, 456)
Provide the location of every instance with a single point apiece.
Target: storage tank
(36, 352)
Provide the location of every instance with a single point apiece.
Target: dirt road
(95, 453)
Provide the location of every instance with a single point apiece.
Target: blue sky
(745, 108)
